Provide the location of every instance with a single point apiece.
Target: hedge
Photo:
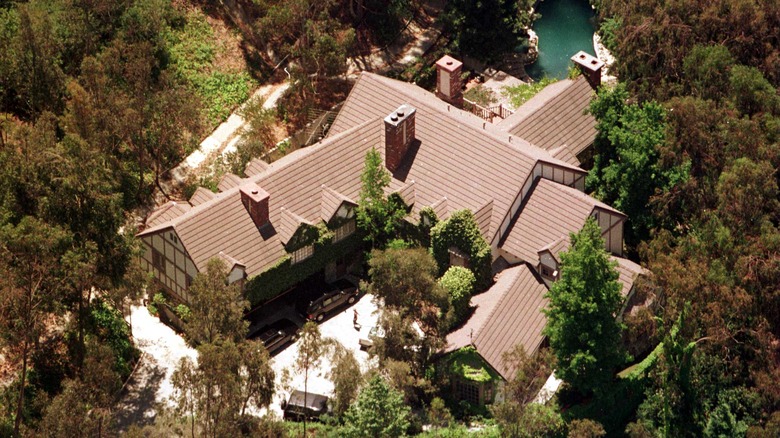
(284, 275)
(461, 231)
(459, 283)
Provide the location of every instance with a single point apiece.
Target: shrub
(459, 283)
(111, 328)
(461, 231)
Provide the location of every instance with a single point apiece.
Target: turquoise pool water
(566, 27)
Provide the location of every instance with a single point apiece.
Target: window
(467, 391)
(548, 272)
(187, 280)
(344, 231)
(458, 258)
(173, 237)
(158, 260)
(303, 253)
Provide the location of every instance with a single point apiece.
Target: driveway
(338, 327)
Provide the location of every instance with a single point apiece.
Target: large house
(519, 176)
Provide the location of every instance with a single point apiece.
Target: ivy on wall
(284, 275)
(462, 232)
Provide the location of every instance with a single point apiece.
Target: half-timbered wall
(165, 257)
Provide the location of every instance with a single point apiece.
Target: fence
(486, 113)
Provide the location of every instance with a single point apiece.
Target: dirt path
(150, 386)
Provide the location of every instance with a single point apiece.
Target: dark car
(295, 408)
(276, 335)
(338, 293)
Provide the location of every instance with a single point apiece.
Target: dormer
(338, 212)
(549, 263)
(297, 234)
(236, 269)
(255, 200)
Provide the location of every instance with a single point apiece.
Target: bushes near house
(461, 232)
(112, 329)
(520, 94)
(459, 283)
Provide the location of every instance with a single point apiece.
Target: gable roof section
(229, 181)
(166, 212)
(289, 225)
(330, 202)
(255, 166)
(483, 217)
(556, 117)
(507, 314)
(201, 195)
(551, 210)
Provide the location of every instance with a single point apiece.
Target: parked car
(368, 342)
(338, 293)
(275, 335)
(295, 408)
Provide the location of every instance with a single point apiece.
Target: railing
(486, 113)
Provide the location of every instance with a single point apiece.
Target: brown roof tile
(483, 217)
(330, 202)
(628, 271)
(229, 181)
(552, 210)
(166, 212)
(441, 209)
(230, 262)
(289, 225)
(453, 157)
(201, 195)
(507, 314)
(556, 117)
(255, 166)
(407, 193)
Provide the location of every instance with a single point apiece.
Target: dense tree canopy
(581, 324)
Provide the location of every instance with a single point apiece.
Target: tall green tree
(379, 412)
(378, 215)
(582, 327)
(626, 172)
(31, 281)
(346, 376)
(217, 307)
(311, 348)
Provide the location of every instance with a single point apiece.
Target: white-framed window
(302, 253)
(344, 231)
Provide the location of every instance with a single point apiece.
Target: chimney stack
(590, 66)
(399, 133)
(448, 83)
(255, 200)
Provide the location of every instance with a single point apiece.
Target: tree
(379, 412)
(377, 214)
(581, 318)
(585, 428)
(217, 307)
(311, 347)
(257, 137)
(346, 376)
(488, 29)
(516, 414)
(626, 171)
(30, 262)
(228, 379)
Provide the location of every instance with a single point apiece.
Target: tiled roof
(628, 271)
(555, 247)
(255, 166)
(483, 218)
(289, 225)
(166, 212)
(229, 261)
(201, 195)
(507, 314)
(551, 210)
(229, 181)
(441, 209)
(407, 193)
(453, 157)
(556, 117)
(331, 201)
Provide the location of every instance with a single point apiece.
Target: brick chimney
(448, 83)
(399, 134)
(255, 200)
(590, 66)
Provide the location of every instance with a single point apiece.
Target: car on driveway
(338, 293)
(275, 335)
(296, 409)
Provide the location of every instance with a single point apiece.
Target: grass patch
(520, 94)
(193, 50)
